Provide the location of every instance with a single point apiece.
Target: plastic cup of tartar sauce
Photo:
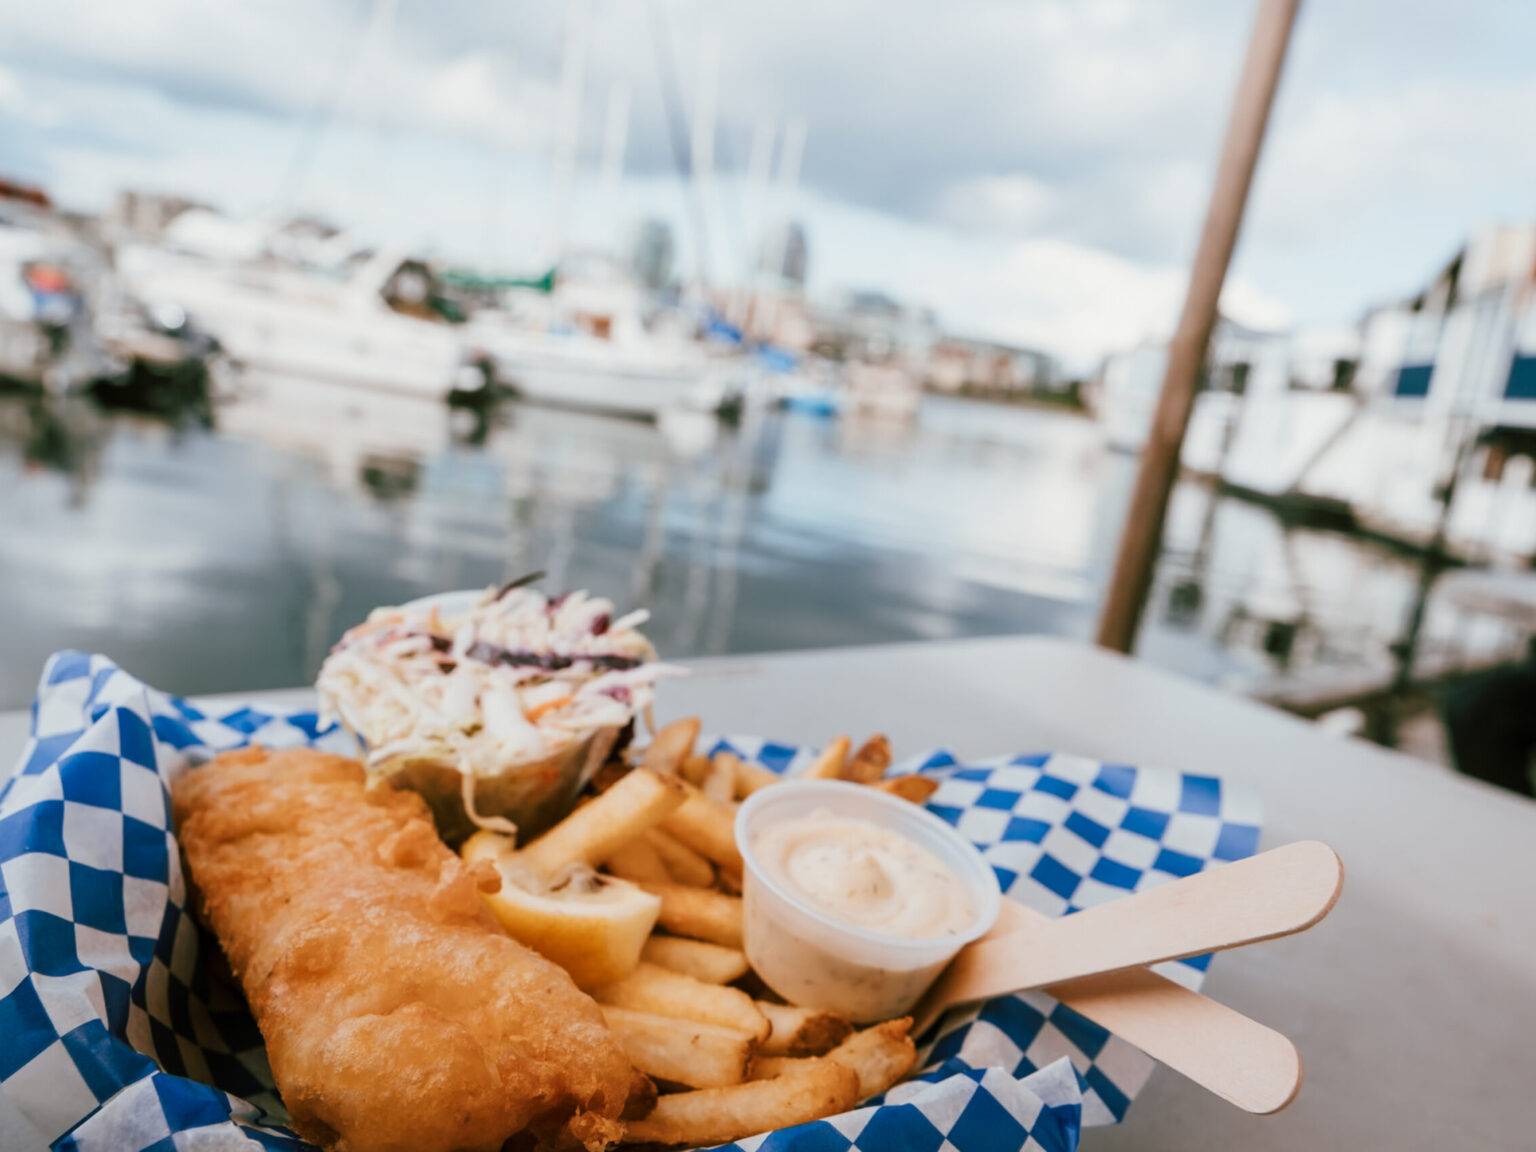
(802, 934)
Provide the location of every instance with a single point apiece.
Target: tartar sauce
(865, 876)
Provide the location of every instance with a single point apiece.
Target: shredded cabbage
(514, 680)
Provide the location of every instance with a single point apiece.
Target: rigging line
(323, 114)
(678, 135)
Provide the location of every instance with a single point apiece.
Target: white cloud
(1012, 203)
(1353, 154)
(481, 95)
(1081, 302)
(1363, 195)
(282, 60)
(1069, 298)
(1036, 170)
(10, 92)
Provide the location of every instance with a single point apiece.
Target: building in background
(1126, 391)
(1418, 423)
(653, 251)
(960, 365)
(786, 254)
(868, 325)
(1443, 449)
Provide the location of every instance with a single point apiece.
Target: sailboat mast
(759, 170)
(573, 83)
(615, 143)
(323, 116)
(790, 154)
(702, 142)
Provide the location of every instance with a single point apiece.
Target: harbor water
(228, 552)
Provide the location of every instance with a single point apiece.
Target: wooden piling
(1141, 538)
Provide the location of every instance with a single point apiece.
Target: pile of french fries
(728, 1059)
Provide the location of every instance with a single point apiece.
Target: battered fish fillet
(398, 1016)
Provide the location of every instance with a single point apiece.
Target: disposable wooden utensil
(1223, 1051)
(1273, 894)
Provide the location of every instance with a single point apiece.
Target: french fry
(638, 861)
(829, 762)
(869, 763)
(662, 992)
(706, 827)
(682, 863)
(711, 963)
(695, 768)
(751, 777)
(700, 913)
(911, 787)
(720, 1115)
(671, 747)
(718, 781)
(880, 1055)
(798, 1031)
(682, 1051)
(597, 829)
(767, 1067)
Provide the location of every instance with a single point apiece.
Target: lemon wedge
(592, 925)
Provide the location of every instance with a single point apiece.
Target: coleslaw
(519, 679)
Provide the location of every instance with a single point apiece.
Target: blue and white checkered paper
(123, 1030)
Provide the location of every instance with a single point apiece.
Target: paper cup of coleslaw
(496, 706)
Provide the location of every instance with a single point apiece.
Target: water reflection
(229, 557)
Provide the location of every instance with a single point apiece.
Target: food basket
(123, 1029)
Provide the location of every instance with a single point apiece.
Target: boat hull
(614, 385)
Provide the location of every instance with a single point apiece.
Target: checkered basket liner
(122, 1029)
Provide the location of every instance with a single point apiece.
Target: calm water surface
(231, 558)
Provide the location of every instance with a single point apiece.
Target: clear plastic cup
(817, 961)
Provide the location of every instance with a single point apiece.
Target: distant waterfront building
(1130, 382)
(1448, 380)
(961, 364)
(786, 254)
(653, 252)
(1419, 422)
(869, 325)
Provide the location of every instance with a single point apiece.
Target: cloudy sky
(1034, 170)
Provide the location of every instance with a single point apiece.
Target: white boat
(813, 388)
(48, 281)
(576, 369)
(369, 322)
(589, 346)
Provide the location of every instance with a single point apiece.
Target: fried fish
(398, 1016)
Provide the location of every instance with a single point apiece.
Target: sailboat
(588, 345)
(593, 340)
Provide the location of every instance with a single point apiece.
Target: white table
(1414, 1004)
